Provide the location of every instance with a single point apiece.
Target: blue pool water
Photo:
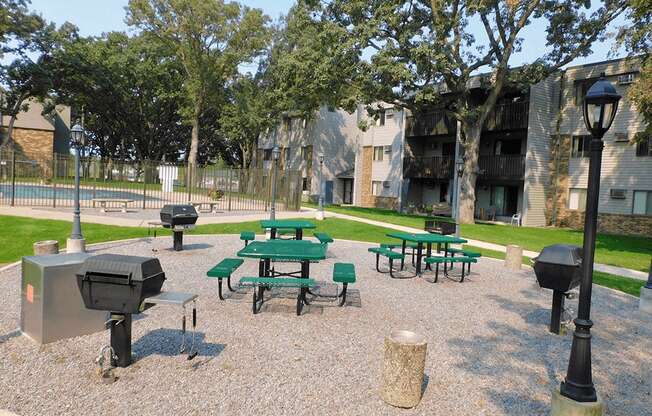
(48, 192)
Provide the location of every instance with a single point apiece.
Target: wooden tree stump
(403, 369)
(46, 247)
(514, 257)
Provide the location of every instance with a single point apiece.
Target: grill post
(178, 240)
(557, 309)
(121, 339)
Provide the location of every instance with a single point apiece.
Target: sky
(93, 17)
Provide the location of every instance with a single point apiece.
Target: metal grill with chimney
(558, 267)
(120, 284)
(178, 218)
(439, 227)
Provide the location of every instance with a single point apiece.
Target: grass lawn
(20, 233)
(617, 250)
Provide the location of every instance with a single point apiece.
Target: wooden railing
(430, 124)
(508, 116)
(503, 166)
(441, 167)
(435, 167)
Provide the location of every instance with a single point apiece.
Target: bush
(216, 194)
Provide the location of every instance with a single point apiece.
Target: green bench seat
(324, 238)
(223, 270)
(465, 253)
(343, 273)
(437, 260)
(260, 284)
(385, 252)
(247, 236)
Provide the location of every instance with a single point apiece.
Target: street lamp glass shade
(77, 135)
(276, 152)
(600, 107)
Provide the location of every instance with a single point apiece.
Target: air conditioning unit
(626, 78)
(618, 193)
(621, 137)
(386, 184)
(388, 149)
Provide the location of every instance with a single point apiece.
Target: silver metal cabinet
(51, 304)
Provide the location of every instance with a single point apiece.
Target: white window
(376, 188)
(577, 199)
(642, 203)
(378, 153)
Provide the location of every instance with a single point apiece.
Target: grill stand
(178, 240)
(121, 339)
(557, 309)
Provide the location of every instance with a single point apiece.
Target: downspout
(554, 214)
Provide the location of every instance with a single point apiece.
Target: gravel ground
(489, 350)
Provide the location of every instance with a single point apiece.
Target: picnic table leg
(446, 255)
(403, 253)
(298, 235)
(428, 254)
(436, 272)
(272, 233)
(419, 255)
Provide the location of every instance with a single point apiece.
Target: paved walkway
(140, 218)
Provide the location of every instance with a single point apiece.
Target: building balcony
(507, 116)
(435, 167)
(502, 167)
(506, 167)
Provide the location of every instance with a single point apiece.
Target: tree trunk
(470, 175)
(194, 137)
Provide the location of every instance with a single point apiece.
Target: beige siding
(621, 168)
(541, 121)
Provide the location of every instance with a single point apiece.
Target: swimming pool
(67, 193)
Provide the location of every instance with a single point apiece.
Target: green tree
(17, 26)
(128, 90)
(210, 39)
(425, 54)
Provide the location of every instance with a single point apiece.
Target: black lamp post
(77, 141)
(459, 169)
(600, 106)
(275, 155)
(321, 186)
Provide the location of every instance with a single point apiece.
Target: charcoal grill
(120, 284)
(178, 218)
(558, 267)
(439, 227)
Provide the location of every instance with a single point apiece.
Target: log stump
(514, 257)
(46, 247)
(403, 369)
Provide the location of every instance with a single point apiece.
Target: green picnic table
(424, 238)
(302, 251)
(297, 225)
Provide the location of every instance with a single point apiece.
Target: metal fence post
(54, 182)
(144, 183)
(230, 187)
(189, 180)
(13, 177)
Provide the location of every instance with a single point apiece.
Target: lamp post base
(564, 406)
(645, 302)
(75, 245)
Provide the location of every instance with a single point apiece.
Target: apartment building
(38, 136)
(626, 181)
(333, 134)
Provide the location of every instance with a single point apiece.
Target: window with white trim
(577, 199)
(378, 186)
(378, 153)
(642, 203)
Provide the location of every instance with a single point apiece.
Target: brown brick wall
(609, 223)
(557, 192)
(366, 199)
(33, 144)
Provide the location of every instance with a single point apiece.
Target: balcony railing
(502, 167)
(435, 167)
(430, 124)
(441, 167)
(508, 116)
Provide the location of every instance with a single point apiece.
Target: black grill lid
(562, 254)
(179, 210)
(140, 268)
